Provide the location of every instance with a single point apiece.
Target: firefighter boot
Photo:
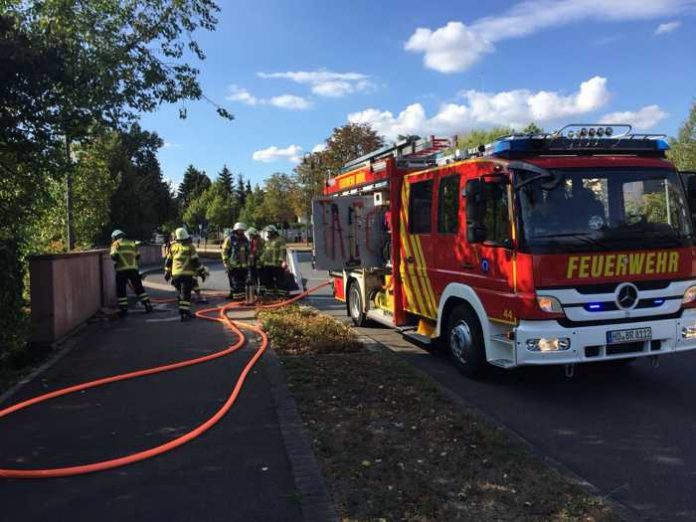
(148, 307)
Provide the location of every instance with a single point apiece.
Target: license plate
(629, 336)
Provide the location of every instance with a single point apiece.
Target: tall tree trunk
(69, 233)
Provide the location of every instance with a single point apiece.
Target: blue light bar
(595, 306)
(658, 302)
(662, 144)
(549, 144)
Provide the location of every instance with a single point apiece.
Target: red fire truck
(546, 249)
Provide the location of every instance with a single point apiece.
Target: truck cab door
(689, 180)
(491, 236)
(416, 244)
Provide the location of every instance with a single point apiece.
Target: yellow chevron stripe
(430, 307)
(412, 245)
(425, 280)
(415, 300)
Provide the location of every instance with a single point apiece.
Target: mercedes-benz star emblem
(627, 296)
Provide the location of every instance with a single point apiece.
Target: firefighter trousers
(238, 278)
(184, 286)
(122, 279)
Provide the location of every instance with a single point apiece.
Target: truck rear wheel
(465, 343)
(355, 305)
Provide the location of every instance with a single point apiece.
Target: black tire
(464, 341)
(354, 303)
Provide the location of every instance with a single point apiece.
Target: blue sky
(292, 71)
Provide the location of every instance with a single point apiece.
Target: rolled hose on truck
(181, 440)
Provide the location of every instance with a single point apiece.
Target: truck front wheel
(355, 305)
(465, 343)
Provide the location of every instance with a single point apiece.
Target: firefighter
(256, 245)
(235, 257)
(125, 254)
(182, 266)
(273, 263)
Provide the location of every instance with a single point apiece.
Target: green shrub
(14, 317)
(300, 330)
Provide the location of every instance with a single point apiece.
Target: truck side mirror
(475, 193)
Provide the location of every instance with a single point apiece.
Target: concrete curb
(315, 499)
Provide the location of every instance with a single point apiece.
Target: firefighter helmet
(272, 229)
(251, 231)
(239, 226)
(181, 234)
(117, 233)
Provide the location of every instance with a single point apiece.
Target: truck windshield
(605, 209)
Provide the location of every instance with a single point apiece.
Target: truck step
(418, 339)
(502, 338)
(502, 363)
(381, 317)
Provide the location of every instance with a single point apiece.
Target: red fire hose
(220, 317)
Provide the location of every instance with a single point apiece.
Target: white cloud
(667, 27)
(326, 83)
(271, 154)
(642, 119)
(319, 147)
(455, 47)
(240, 94)
(515, 108)
(284, 101)
(169, 145)
(290, 101)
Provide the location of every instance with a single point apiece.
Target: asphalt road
(238, 470)
(630, 431)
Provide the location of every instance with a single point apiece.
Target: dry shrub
(297, 330)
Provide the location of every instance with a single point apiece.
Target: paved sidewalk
(238, 470)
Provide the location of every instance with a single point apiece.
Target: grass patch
(298, 330)
(392, 447)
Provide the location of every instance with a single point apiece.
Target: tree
(195, 182)
(225, 179)
(253, 213)
(240, 191)
(532, 128)
(279, 192)
(118, 59)
(349, 142)
(475, 138)
(248, 190)
(143, 200)
(683, 148)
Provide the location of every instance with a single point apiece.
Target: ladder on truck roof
(413, 151)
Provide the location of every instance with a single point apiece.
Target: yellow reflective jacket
(235, 251)
(182, 260)
(274, 252)
(125, 253)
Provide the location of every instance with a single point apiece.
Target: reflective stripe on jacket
(125, 253)
(274, 253)
(235, 252)
(182, 260)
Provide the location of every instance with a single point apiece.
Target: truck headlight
(689, 295)
(551, 344)
(550, 304)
